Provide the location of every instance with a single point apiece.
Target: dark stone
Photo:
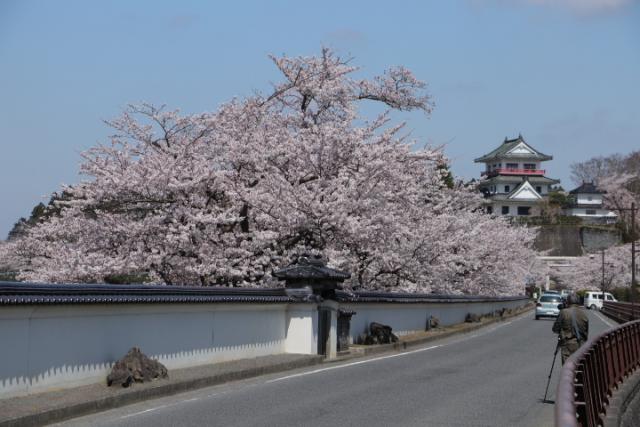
(135, 366)
(434, 322)
(472, 318)
(380, 334)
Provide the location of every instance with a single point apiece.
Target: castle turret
(514, 182)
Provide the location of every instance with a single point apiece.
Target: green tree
(39, 213)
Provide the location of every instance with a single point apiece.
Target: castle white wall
(589, 199)
(598, 212)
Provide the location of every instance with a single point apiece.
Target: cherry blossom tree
(622, 191)
(226, 197)
(586, 271)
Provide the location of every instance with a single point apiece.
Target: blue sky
(564, 73)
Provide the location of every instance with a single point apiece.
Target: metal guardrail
(592, 373)
(621, 312)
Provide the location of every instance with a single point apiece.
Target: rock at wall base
(472, 318)
(135, 366)
(380, 334)
(434, 322)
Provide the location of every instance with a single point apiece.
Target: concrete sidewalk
(50, 407)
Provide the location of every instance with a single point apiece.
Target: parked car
(547, 305)
(593, 299)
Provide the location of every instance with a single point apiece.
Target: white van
(593, 299)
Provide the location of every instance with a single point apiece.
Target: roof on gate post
(311, 274)
(310, 267)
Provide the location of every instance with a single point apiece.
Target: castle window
(524, 210)
(539, 189)
(507, 188)
(529, 166)
(489, 209)
(512, 166)
(505, 210)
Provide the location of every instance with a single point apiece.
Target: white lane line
(361, 362)
(599, 316)
(140, 413)
(165, 406)
(168, 405)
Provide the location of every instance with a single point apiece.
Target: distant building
(514, 182)
(587, 203)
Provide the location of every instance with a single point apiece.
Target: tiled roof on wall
(17, 293)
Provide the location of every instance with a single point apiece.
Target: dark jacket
(570, 330)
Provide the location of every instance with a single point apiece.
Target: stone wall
(597, 238)
(559, 240)
(574, 240)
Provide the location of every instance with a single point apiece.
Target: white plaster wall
(599, 212)
(68, 345)
(302, 329)
(583, 199)
(411, 318)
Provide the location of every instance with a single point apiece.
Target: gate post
(309, 275)
(344, 329)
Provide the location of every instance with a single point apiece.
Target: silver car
(547, 306)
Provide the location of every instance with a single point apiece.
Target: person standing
(572, 327)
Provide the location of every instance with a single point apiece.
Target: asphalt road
(492, 377)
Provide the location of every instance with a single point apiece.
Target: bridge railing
(592, 373)
(621, 312)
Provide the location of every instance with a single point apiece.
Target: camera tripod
(555, 354)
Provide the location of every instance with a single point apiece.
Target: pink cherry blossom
(228, 196)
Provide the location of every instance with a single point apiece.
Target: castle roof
(514, 149)
(587, 188)
(516, 179)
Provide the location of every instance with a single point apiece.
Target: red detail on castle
(503, 171)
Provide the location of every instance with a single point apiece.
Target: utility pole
(602, 286)
(633, 260)
(633, 257)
